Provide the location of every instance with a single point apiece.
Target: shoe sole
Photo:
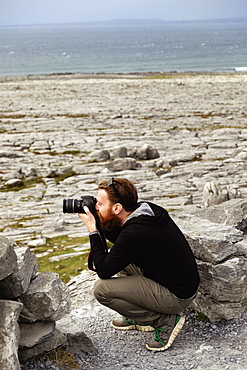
(173, 335)
(133, 327)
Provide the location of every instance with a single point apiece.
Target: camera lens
(76, 205)
(69, 206)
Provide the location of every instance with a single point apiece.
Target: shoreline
(116, 75)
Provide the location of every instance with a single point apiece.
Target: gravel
(200, 345)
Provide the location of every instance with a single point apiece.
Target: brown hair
(121, 191)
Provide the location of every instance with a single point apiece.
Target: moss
(66, 152)
(59, 245)
(201, 317)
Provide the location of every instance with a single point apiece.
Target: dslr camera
(76, 205)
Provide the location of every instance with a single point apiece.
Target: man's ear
(117, 208)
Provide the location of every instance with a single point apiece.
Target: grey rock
(47, 299)
(123, 164)
(147, 152)
(81, 288)
(9, 335)
(8, 259)
(13, 182)
(99, 155)
(209, 241)
(221, 254)
(35, 333)
(77, 340)
(18, 282)
(56, 340)
(119, 152)
(232, 212)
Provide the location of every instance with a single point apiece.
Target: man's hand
(88, 219)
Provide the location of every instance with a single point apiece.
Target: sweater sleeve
(107, 264)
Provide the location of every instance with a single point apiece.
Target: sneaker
(127, 324)
(165, 335)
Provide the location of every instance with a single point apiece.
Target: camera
(76, 205)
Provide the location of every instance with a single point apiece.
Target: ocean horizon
(135, 46)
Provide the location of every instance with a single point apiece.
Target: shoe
(168, 332)
(127, 324)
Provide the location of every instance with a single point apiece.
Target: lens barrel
(76, 205)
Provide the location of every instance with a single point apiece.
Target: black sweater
(156, 245)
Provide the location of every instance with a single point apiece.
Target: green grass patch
(24, 184)
(68, 267)
(59, 178)
(20, 223)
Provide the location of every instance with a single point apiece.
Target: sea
(122, 46)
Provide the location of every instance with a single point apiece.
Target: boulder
(99, 155)
(18, 282)
(8, 259)
(47, 299)
(13, 182)
(119, 152)
(123, 164)
(214, 194)
(232, 212)
(210, 241)
(146, 152)
(9, 334)
(81, 288)
(77, 341)
(35, 333)
(56, 340)
(221, 254)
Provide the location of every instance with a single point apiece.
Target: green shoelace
(132, 322)
(158, 331)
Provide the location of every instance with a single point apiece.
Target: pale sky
(20, 12)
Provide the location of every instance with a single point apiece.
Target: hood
(148, 213)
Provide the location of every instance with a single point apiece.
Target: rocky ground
(54, 127)
(200, 345)
(171, 136)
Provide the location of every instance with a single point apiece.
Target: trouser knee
(99, 291)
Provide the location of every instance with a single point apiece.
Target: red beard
(109, 223)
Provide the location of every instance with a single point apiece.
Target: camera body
(76, 205)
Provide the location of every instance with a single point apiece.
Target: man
(157, 273)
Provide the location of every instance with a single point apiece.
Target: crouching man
(157, 276)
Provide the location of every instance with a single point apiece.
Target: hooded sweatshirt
(151, 240)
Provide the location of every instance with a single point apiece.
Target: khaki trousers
(138, 298)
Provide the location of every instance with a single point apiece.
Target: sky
(21, 12)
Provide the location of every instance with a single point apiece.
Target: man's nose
(97, 206)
